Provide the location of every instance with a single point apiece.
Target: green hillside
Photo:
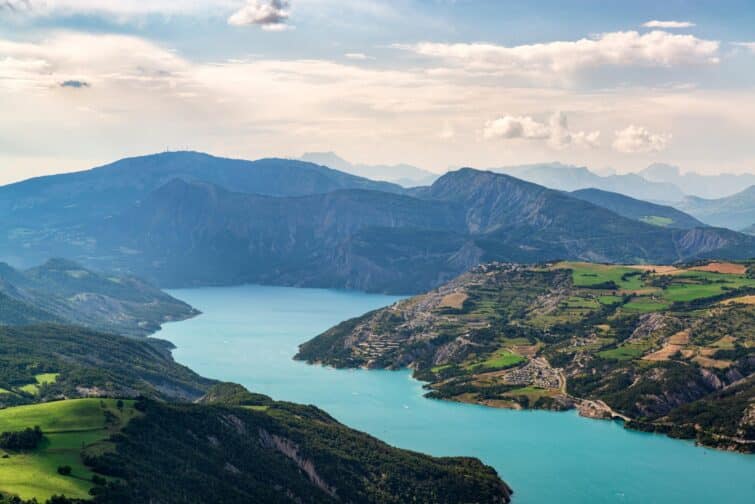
(234, 447)
(667, 348)
(45, 362)
(650, 213)
(69, 427)
(178, 437)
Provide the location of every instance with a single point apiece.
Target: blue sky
(437, 83)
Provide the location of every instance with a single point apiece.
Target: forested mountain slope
(63, 291)
(650, 213)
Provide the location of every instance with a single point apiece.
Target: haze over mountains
(658, 183)
(736, 211)
(651, 213)
(402, 174)
(572, 178)
(186, 218)
(695, 184)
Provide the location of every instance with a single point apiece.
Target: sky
(611, 85)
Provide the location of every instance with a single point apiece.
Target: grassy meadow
(69, 427)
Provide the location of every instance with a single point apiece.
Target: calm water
(249, 334)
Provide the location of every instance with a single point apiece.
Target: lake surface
(248, 335)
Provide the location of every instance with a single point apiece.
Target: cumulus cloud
(668, 24)
(555, 131)
(627, 49)
(269, 14)
(634, 139)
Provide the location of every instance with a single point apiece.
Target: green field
(533, 393)
(68, 427)
(645, 305)
(683, 287)
(655, 220)
(42, 379)
(498, 360)
(609, 300)
(700, 284)
(586, 275)
(626, 352)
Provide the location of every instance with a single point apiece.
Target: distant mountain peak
(402, 173)
(660, 172)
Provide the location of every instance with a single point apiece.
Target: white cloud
(634, 139)
(144, 97)
(75, 56)
(507, 127)
(119, 7)
(627, 49)
(357, 56)
(555, 131)
(747, 45)
(668, 24)
(269, 14)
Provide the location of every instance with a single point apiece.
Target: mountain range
(402, 174)
(186, 218)
(735, 212)
(695, 184)
(704, 196)
(571, 178)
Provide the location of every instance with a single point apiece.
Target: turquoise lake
(249, 334)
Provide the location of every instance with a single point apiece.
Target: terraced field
(644, 340)
(69, 427)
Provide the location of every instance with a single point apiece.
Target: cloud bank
(618, 49)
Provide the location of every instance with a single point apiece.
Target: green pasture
(68, 427)
(588, 274)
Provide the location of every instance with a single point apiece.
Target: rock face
(184, 219)
(556, 336)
